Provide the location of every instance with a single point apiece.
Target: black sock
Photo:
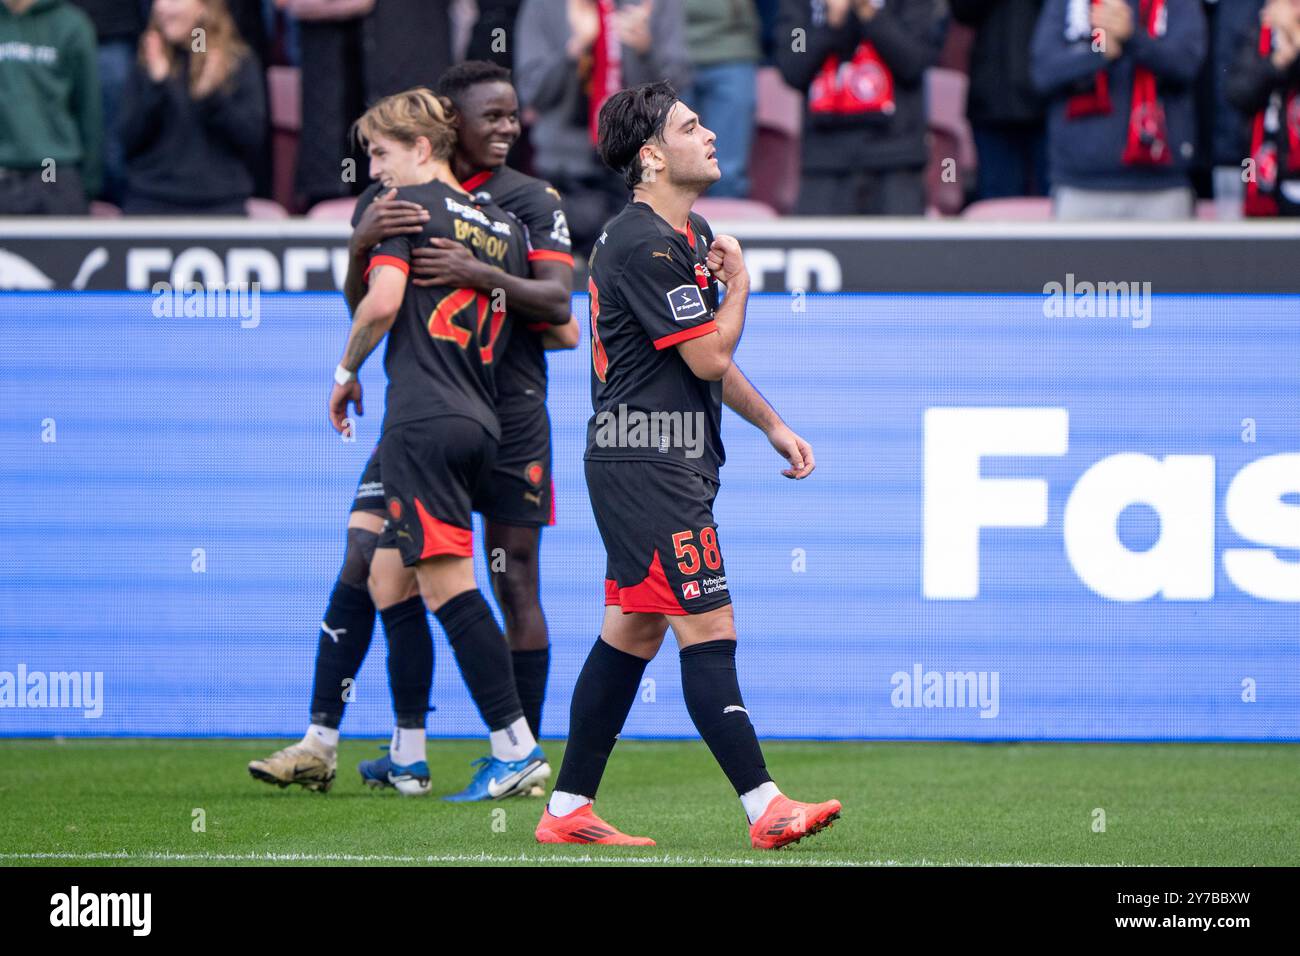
(530, 682)
(713, 700)
(350, 619)
(602, 698)
(483, 656)
(410, 661)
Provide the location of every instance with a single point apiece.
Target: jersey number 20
(452, 305)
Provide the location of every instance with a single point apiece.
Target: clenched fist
(725, 260)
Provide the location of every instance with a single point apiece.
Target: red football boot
(583, 826)
(787, 821)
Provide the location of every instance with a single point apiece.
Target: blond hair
(220, 35)
(407, 116)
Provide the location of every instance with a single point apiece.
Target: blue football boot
(410, 781)
(497, 779)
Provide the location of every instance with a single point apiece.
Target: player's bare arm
(446, 262)
(385, 217)
(374, 317)
(568, 335)
(709, 356)
(559, 337)
(739, 394)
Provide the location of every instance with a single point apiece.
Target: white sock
(562, 804)
(407, 746)
(755, 801)
(514, 742)
(323, 740)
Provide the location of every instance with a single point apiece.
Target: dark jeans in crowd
(724, 96)
(1012, 160)
(333, 95)
(24, 192)
(116, 59)
(863, 192)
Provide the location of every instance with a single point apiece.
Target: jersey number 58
(599, 360)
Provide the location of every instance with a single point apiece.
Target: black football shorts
(431, 471)
(519, 489)
(370, 490)
(661, 541)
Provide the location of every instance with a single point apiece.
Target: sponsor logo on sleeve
(686, 303)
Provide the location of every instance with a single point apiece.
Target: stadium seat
(780, 107)
(104, 210)
(1207, 209)
(944, 196)
(774, 156)
(265, 209)
(723, 208)
(333, 209)
(1020, 208)
(284, 91)
(950, 138)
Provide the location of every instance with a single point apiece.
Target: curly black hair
(457, 79)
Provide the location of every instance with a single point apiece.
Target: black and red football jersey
(445, 341)
(651, 289)
(539, 209)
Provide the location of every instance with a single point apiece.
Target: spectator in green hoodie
(51, 125)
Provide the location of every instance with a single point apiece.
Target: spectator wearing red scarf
(1122, 117)
(861, 65)
(1265, 85)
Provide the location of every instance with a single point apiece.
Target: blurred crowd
(1112, 108)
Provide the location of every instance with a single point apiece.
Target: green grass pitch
(119, 802)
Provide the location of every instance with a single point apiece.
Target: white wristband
(342, 376)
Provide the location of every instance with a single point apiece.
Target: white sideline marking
(666, 859)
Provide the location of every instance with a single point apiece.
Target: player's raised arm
(709, 356)
(739, 394)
